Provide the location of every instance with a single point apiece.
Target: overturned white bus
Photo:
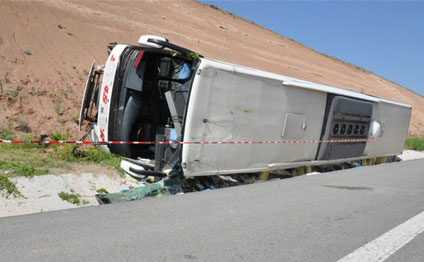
(158, 91)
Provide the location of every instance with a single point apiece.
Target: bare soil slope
(56, 40)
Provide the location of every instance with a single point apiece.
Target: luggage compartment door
(345, 119)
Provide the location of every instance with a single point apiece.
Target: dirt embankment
(57, 40)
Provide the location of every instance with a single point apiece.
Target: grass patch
(28, 159)
(8, 188)
(21, 168)
(33, 159)
(5, 132)
(91, 155)
(415, 143)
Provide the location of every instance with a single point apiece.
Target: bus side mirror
(144, 41)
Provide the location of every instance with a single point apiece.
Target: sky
(384, 37)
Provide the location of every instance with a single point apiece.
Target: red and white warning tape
(199, 142)
(43, 82)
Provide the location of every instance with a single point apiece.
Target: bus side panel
(395, 121)
(227, 103)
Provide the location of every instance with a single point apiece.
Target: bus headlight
(376, 129)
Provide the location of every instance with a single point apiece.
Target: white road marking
(387, 244)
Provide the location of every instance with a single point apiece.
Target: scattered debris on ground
(180, 185)
(136, 193)
(90, 184)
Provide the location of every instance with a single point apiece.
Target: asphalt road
(311, 218)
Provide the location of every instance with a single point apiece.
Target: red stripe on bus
(139, 56)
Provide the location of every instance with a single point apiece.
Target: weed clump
(192, 55)
(70, 198)
(57, 136)
(102, 191)
(75, 118)
(11, 95)
(8, 188)
(23, 127)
